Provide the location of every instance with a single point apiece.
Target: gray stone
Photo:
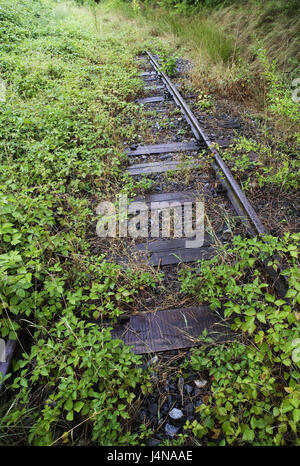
(200, 383)
(176, 414)
(152, 442)
(171, 430)
(188, 389)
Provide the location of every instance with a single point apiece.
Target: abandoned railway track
(177, 328)
(195, 157)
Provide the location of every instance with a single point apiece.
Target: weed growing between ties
(257, 71)
(70, 83)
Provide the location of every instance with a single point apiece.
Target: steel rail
(241, 204)
(239, 201)
(235, 194)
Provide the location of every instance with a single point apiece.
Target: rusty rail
(235, 194)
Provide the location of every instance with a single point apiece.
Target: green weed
(69, 104)
(254, 393)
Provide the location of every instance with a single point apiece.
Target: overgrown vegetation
(225, 39)
(255, 391)
(69, 87)
(242, 58)
(67, 107)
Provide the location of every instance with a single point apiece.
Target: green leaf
(248, 434)
(296, 415)
(286, 406)
(70, 416)
(78, 406)
(44, 371)
(261, 317)
(227, 428)
(270, 297)
(291, 293)
(69, 404)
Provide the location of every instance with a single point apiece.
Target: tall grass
(198, 32)
(271, 23)
(218, 35)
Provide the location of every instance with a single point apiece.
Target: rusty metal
(238, 199)
(241, 204)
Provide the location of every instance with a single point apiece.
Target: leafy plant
(87, 378)
(260, 164)
(69, 104)
(279, 95)
(204, 101)
(168, 63)
(254, 393)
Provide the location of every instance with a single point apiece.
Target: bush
(86, 377)
(68, 104)
(254, 378)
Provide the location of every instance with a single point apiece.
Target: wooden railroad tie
(164, 330)
(164, 148)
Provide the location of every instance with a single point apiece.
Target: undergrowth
(254, 395)
(68, 106)
(69, 86)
